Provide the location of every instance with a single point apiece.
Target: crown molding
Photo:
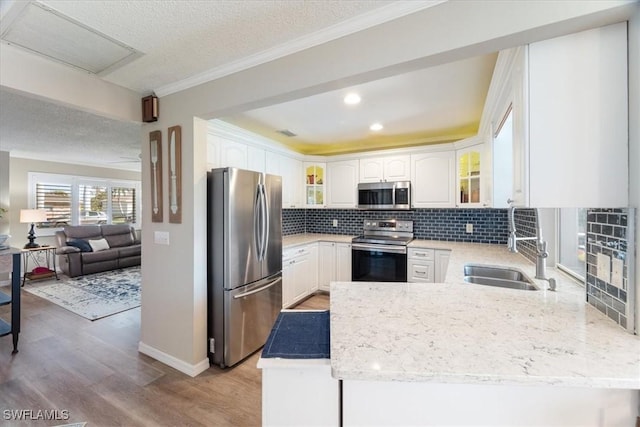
(376, 17)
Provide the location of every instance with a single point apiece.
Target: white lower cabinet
(334, 263)
(427, 265)
(441, 264)
(297, 392)
(402, 403)
(299, 273)
(420, 265)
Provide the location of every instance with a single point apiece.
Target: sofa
(86, 249)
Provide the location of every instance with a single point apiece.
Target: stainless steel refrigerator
(244, 261)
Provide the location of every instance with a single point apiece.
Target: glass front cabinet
(469, 183)
(314, 176)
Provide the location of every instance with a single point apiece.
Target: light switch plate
(161, 237)
(469, 228)
(604, 267)
(617, 269)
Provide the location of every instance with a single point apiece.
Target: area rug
(93, 296)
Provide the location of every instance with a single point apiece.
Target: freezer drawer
(250, 312)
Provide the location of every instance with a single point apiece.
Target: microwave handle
(393, 194)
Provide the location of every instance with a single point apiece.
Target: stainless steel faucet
(541, 246)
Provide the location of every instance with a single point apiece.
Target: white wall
(173, 326)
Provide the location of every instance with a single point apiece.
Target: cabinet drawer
(295, 252)
(420, 271)
(421, 254)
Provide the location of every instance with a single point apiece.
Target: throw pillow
(83, 245)
(99, 245)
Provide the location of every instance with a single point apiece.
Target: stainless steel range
(380, 254)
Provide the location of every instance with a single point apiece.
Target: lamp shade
(33, 215)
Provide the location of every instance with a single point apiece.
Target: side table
(42, 256)
(10, 262)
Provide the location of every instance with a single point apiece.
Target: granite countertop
(455, 332)
(306, 238)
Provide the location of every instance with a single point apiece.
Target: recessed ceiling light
(352, 99)
(376, 127)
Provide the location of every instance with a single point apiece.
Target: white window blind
(79, 200)
(55, 199)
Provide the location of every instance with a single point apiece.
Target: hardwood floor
(93, 371)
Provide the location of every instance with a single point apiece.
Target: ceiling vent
(44, 31)
(286, 132)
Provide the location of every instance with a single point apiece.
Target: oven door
(378, 263)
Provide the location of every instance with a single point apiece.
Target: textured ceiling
(183, 42)
(181, 39)
(66, 135)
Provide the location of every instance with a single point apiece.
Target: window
(74, 200)
(572, 232)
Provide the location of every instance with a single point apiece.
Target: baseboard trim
(167, 359)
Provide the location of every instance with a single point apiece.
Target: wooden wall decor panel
(155, 158)
(175, 175)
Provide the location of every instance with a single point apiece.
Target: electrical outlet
(469, 228)
(604, 267)
(617, 268)
(335, 222)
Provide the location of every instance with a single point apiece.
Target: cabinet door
(397, 168)
(314, 184)
(372, 170)
(311, 270)
(291, 171)
(578, 119)
(300, 281)
(433, 178)
(255, 159)
(342, 183)
(326, 264)
(468, 176)
(441, 264)
(288, 280)
(343, 262)
(420, 271)
(232, 154)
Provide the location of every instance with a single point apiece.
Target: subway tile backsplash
(293, 221)
(489, 225)
(608, 233)
(526, 225)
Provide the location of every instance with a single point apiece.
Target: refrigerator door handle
(265, 223)
(257, 222)
(255, 291)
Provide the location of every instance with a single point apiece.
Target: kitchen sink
(502, 277)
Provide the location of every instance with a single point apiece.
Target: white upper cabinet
(559, 122)
(314, 177)
(578, 119)
(433, 177)
(393, 168)
(469, 191)
(291, 172)
(255, 159)
(342, 182)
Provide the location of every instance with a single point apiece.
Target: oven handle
(379, 248)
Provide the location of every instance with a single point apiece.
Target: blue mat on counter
(299, 335)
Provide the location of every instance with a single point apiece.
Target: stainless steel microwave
(394, 195)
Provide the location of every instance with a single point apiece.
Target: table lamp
(32, 216)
